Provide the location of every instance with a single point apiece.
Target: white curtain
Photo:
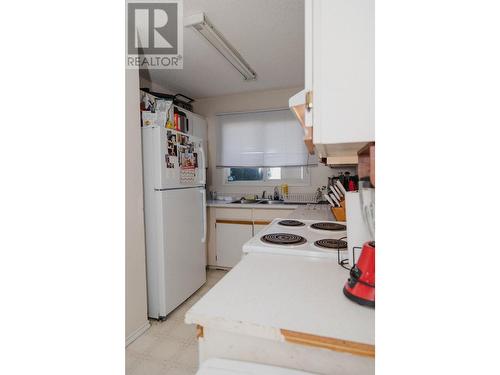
(261, 139)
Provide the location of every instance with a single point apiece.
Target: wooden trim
(262, 222)
(366, 166)
(366, 148)
(244, 222)
(137, 333)
(308, 139)
(199, 331)
(342, 160)
(299, 111)
(329, 343)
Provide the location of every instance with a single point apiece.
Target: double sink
(257, 201)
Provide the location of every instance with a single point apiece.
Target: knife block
(339, 212)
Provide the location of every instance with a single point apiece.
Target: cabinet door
(343, 70)
(230, 239)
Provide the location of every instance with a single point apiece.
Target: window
(265, 139)
(262, 148)
(245, 174)
(266, 176)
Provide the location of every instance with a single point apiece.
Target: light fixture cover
(201, 24)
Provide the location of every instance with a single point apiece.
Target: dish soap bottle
(284, 190)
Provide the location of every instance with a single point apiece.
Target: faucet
(264, 194)
(276, 196)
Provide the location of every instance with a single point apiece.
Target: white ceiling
(269, 34)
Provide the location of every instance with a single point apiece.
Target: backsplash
(318, 179)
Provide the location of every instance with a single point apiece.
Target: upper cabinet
(336, 108)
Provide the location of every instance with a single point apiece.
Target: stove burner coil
(328, 226)
(283, 239)
(291, 223)
(331, 243)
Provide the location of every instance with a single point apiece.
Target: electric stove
(301, 237)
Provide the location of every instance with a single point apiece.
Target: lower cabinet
(230, 228)
(230, 240)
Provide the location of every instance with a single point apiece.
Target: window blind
(261, 139)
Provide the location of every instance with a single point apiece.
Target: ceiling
(269, 34)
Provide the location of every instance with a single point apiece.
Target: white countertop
(265, 293)
(302, 211)
(228, 204)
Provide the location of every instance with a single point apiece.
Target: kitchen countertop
(307, 211)
(304, 297)
(228, 204)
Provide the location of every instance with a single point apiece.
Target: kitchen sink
(262, 201)
(257, 201)
(245, 201)
(267, 201)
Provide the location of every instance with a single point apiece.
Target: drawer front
(265, 214)
(233, 213)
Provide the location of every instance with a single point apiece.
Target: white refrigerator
(175, 217)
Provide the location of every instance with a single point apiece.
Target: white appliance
(357, 230)
(175, 217)
(305, 236)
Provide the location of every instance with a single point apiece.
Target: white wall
(135, 253)
(253, 101)
(153, 86)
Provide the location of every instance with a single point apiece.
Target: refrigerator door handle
(204, 211)
(202, 166)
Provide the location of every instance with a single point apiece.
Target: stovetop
(291, 223)
(328, 226)
(297, 237)
(283, 239)
(331, 243)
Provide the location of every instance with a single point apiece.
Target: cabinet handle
(202, 165)
(309, 100)
(204, 208)
(262, 222)
(244, 222)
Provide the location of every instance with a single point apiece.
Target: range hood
(299, 104)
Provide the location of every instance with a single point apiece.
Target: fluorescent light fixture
(200, 23)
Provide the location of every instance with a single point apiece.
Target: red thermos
(360, 287)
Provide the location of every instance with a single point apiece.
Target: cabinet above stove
(336, 107)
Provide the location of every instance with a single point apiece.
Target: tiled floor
(169, 347)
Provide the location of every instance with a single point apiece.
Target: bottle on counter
(284, 190)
